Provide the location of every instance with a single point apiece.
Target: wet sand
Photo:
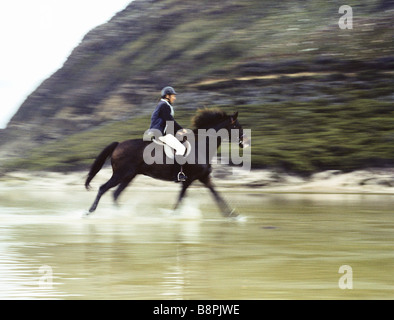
(286, 245)
(364, 181)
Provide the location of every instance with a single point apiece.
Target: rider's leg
(174, 143)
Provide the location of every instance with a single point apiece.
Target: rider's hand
(182, 132)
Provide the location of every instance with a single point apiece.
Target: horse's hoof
(237, 218)
(232, 214)
(116, 204)
(86, 214)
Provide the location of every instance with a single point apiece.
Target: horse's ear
(234, 116)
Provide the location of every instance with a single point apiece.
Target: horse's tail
(99, 162)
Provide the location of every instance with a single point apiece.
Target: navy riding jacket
(163, 113)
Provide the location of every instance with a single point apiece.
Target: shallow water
(284, 246)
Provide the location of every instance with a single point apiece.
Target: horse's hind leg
(113, 182)
(123, 185)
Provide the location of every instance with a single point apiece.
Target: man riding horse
(163, 113)
(128, 161)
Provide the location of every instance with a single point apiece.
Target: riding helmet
(167, 90)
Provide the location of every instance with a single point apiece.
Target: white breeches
(174, 143)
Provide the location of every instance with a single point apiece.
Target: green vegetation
(301, 137)
(315, 96)
(307, 137)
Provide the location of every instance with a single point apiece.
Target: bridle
(229, 124)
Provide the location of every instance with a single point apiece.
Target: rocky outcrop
(230, 54)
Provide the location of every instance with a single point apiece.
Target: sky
(37, 36)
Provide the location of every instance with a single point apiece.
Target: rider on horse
(165, 112)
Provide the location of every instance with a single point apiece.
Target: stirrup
(181, 177)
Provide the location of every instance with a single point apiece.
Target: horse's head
(241, 137)
(218, 119)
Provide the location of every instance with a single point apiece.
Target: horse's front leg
(227, 211)
(186, 184)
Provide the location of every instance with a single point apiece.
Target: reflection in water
(21, 276)
(174, 281)
(287, 246)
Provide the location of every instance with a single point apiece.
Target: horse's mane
(205, 117)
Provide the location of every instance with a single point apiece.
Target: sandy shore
(333, 181)
(363, 181)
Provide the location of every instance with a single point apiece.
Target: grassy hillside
(300, 137)
(315, 96)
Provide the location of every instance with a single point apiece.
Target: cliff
(315, 96)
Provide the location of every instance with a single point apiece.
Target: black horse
(127, 160)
